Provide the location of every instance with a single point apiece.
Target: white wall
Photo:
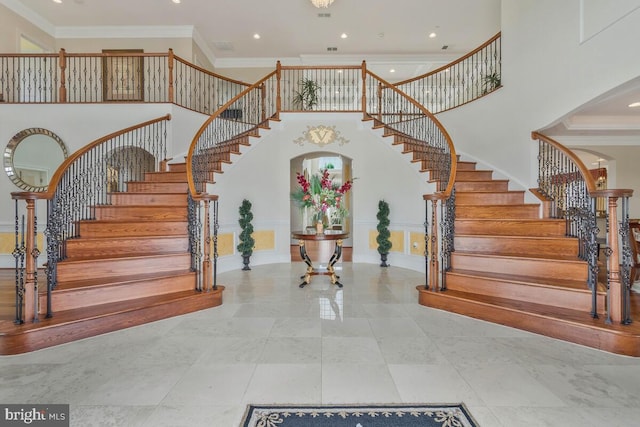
(546, 73)
(262, 175)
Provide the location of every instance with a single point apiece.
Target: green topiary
(245, 247)
(384, 244)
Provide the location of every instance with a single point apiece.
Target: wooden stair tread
(120, 257)
(517, 237)
(95, 311)
(512, 219)
(488, 191)
(578, 285)
(117, 280)
(497, 205)
(129, 237)
(559, 314)
(559, 258)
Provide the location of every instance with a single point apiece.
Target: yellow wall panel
(265, 240)
(8, 243)
(416, 239)
(396, 238)
(225, 244)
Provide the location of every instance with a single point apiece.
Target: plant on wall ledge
(491, 82)
(384, 244)
(307, 97)
(245, 247)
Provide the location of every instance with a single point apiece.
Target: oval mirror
(32, 157)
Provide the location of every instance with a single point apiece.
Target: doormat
(405, 415)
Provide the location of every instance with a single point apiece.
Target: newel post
(364, 89)
(62, 63)
(433, 264)
(170, 62)
(617, 292)
(278, 89)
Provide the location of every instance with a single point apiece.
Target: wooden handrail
(451, 64)
(58, 174)
(210, 73)
(584, 171)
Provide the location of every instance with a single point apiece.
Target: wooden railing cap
(612, 192)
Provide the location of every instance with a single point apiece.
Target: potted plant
(491, 82)
(384, 244)
(245, 247)
(307, 97)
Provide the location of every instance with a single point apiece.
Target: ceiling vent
(332, 49)
(223, 45)
(324, 15)
(445, 47)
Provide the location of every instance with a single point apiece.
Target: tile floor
(370, 342)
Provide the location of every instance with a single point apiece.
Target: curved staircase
(130, 265)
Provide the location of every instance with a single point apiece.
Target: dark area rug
(406, 415)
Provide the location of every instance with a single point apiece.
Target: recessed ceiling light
(256, 36)
(343, 36)
(57, 1)
(176, 1)
(432, 35)
(392, 70)
(634, 104)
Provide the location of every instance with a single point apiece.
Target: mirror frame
(10, 150)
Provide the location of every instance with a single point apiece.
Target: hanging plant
(245, 247)
(384, 244)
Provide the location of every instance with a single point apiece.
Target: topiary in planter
(245, 247)
(384, 244)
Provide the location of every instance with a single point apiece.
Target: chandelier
(322, 3)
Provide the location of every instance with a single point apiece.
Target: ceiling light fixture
(634, 104)
(432, 35)
(57, 1)
(176, 1)
(256, 36)
(321, 3)
(343, 36)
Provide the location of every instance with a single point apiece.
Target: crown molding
(30, 16)
(124, 31)
(202, 44)
(605, 123)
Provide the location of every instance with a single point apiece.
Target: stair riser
(510, 227)
(160, 213)
(498, 245)
(70, 270)
(544, 325)
(466, 166)
(165, 176)
(133, 246)
(482, 186)
(177, 167)
(555, 297)
(158, 187)
(96, 295)
(498, 198)
(132, 199)
(550, 268)
(467, 175)
(497, 211)
(91, 229)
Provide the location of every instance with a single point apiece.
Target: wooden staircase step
(177, 167)
(564, 293)
(86, 293)
(157, 187)
(517, 245)
(129, 228)
(166, 176)
(130, 245)
(559, 267)
(479, 185)
(565, 324)
(466, 165)
(82, 268)
(177, 200)
(511, 227)
(157, 212)
(498, 211)
(73, 325)
(489, 197)
(473, 175)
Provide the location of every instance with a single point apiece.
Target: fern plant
(384, 244)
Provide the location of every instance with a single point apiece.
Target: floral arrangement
(324, 197)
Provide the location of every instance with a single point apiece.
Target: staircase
(129, 266)
(514, 268)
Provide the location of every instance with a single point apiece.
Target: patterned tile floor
(369, 342)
